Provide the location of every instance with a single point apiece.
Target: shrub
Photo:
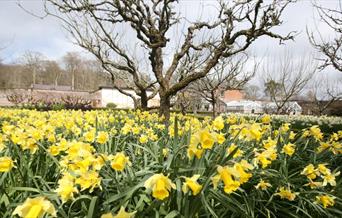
(111, 105)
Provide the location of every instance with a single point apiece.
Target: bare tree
(252, 92)
(286, 77)
(33, 62)
(187, 100)
(96, 27)
(73, 64)
(51, 72)
(227, 75)
(324, 91)
(330, 48)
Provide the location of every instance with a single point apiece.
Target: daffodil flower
(35, 208)
(191, 183)
(286, 193)
(121, 214)
(119, 161)
(325, 200)
(6, 164)
(160, 185)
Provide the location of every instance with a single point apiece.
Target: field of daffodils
(112, 163)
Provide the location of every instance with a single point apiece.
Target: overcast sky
(21, 31)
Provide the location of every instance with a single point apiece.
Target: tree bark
(164, 109)
(34, 76)
(143, 100)
(73, 80)
(213, 102)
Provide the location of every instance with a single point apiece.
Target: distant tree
(73, 64)
(187, 100)
(286, 77)
(97, 26)
(324, 92)
(252, 92)
(51, 72)
(227, 75)
(272, 88)
(330, 48)
(33, 61)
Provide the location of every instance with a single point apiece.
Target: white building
(291, 108)
(105, 95)
(244, 106)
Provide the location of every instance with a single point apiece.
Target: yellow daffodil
(193, 150)
(263, 185)
(143, 139)
(220, 138)
(165, 152)
(226, 175)
(242, 168)
(2, 144)
(53, 150)
(323, 169)
(288, 149)
(285, 127)
(90, 180)
(66, 188)
(269, 143)
(325, 200)
(160, 185)
(330, 179)
(6, 164)
(315, 131)
(206, 139)
(266, 119)
(232, 119)
(102, 137)
(266, 157)
(313, 184)
(254, 132)
(238, 152)
(323, 146)
(119, 161)
(191, 183)
(286, 193)
(121, 214)
(292, 135)
(218, 123)
(35, 208)
(310, 171)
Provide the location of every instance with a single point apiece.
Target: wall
(123, 101)
(232, 95)
(114, 96)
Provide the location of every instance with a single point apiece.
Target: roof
(124, 88)
(244, 103)
(51, 87)
(291, 105)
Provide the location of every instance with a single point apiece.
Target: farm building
(291, 108)
(244, 106)
(105, 95)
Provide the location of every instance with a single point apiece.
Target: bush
(57, 106)
(111, 105)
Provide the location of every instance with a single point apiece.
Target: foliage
(111, 105)
(91, 163)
